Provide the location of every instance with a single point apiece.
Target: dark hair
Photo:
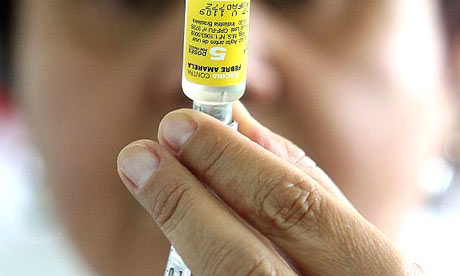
(6, 14)
(451, 17)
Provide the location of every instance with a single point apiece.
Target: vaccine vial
(215, 68)
(215, 54)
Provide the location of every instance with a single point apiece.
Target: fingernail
(176, 129)
(138, 164)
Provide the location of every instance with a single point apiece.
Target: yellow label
(216, 42)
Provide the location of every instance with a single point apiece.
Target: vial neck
(222, 112)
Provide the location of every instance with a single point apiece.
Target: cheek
(84, 105)
(75, 104)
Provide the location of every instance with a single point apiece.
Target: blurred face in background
(360, 85)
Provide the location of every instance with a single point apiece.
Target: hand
(277, 212)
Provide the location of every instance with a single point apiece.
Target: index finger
(211, 239)
(289, 207)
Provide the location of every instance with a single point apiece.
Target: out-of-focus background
(31, 240)
(33, 243)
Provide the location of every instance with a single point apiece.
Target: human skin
(364, 95)
(287, 217)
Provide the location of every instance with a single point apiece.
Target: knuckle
(289, 203)
(251, 266)
(240, 260)
(168, 207)
(288, 151)
(297, 156)
(294, 153)
(304, 162)
(216, 155)
(261, 267)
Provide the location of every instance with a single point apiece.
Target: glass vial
(215, 50)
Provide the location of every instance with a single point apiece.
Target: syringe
(214, 71)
